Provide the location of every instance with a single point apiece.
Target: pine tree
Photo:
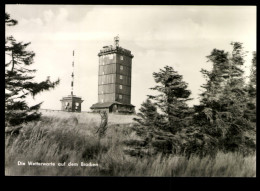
(213, 87)
(251, 88)
(148, 114)
(160, 129)
(172, 98)
(223, 104)
(19, 81)
(253, 72)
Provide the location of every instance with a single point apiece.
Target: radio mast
(72, 75)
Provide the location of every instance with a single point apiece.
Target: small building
(114, 80)
(113, 107)
(71, 103)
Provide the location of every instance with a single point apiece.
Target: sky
(177, 36)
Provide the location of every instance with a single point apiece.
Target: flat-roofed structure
(114, 79)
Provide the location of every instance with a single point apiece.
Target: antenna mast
(72, 75)
(116, 41)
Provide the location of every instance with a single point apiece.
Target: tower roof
(69, 97)
(108, 104)
(115, 49)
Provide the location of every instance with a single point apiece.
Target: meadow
(57, 139)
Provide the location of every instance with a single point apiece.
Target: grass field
(56, 139)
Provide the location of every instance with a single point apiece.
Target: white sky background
(178, 36)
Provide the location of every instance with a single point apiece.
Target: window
(102, 100)
(121, 67)
(102, 61)
(103, 73)
(111, 56)
(102, 82)
(67, 105)
(121, 77)
(102, 92)
(120, 96)
(121, 58)
(120, 87)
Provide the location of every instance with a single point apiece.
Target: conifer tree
(223, 104)
(160, 129)
(172, 98)
(148, 113)
(251, 88)
(253, 72)
(19, 81)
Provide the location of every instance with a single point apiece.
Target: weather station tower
(114, 80)
(71, 103)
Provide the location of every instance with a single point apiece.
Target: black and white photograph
(130, 90)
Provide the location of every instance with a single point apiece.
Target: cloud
(63, 14)
(180, 36)
(48, 16)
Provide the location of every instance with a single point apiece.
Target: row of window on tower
(121, 68)
(110, 56)
(121, 78)
(119, 96)
(120, 87)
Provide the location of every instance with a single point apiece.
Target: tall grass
(54, 139)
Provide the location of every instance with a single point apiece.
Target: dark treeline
(225, 119)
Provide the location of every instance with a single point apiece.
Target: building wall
(101, 109)
(107, 59)
(123, 69)
(106, 89)
(125, 109)
(123, 98)
(123, 78)
(123, 89)
(73, 102)
(114, 81)
(115, 108)
(64, 102)
(107, 69)
(106, 98)
(106, 79)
